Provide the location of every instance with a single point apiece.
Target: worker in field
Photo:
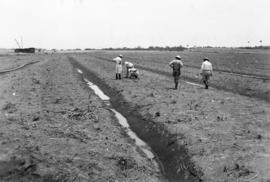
(118, 67)
(176, 66)
(133, 73)
(206, 71)
(128, 65)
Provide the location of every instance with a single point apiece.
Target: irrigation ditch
(173, 159)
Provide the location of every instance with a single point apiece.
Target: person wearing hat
(176, 65)
(128, 65)
(118, 67)
(206, 71)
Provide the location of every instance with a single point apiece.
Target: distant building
(25, 50)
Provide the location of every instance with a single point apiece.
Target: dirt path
(226, 134)
(53, 128)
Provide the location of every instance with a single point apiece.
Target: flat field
(225, 132)
(53, 128)
(237, 70)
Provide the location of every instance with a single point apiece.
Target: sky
(66, 24)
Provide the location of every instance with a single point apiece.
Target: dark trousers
(127, 69)
(134, 75)
(176, 80)
(118, 76)
(205, 78)
(206, 84)
(176, 76)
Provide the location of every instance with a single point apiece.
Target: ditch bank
(174, 161)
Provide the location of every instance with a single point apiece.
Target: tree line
(150, 48)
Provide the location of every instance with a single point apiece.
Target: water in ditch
(154, 140)
(122, 120)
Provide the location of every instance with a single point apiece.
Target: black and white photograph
(135, 91)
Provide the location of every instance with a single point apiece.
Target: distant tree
(153, 48)
(138, 48)
(88, 49)
(260, 42)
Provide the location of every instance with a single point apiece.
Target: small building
(25, 50)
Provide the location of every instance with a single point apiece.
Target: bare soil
(53, 128)
(238, 71)
(226, 134)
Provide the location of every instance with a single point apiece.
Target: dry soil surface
(226, 134)
(53, 128)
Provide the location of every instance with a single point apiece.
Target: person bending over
(128, 65)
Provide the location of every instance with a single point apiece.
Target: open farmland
(120, 91)
(233, 60)
(236, 70)
(54, 128)
(225, 133)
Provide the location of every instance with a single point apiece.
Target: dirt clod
(35, 81)
(126, 163)
(259, 137)
(9, 107)
(157, 114)
(35, 118)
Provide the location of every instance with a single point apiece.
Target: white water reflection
(97, 90)
(79, 71)
(194, 84)
(122, 120)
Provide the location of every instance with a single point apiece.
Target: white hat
(178, 57)
(120, 55)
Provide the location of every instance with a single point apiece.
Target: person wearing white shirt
(133, 73)
(128, 65)
(176, 65)
(206, 71)
(118, 67)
